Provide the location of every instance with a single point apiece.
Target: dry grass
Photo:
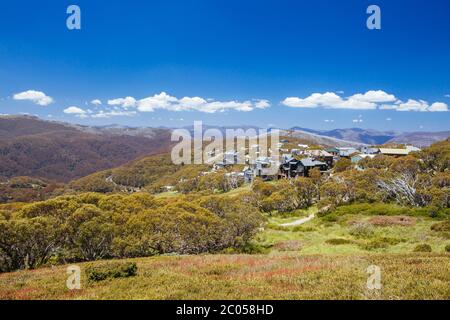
(384, 221)
(274, 276)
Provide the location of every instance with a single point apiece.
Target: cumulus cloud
(331, 100)
(113, 113)
(96, 102)
(74, 110)
(438, 106)
(37, 97)
(375, 96)
(373, 99)
(127, 102)
(164, 101)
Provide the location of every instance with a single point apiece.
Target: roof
(320, 153)
(364, 155)
(394, 151)
(308, 162)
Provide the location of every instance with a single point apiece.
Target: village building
(300, 167)
(321, 155)
(333, 151)
(394, 152)
(346, 152)
(369, 150)
(263, 167)
(355, 158)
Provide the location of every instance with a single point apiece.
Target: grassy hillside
(56, 151)
(277, 276)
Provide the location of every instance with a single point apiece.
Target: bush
(447, 248)
(386, 221)
(330, 218)
(423, 248)
(384, 209)
(361, 230)
(115, 270)
(381, 243)
(302, 229)
(441, 226)
(338, 241)
(288, 245)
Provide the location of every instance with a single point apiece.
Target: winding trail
(299, 221)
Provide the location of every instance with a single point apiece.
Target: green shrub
(386, 209)
(338, 241)
(114, 270)
(361, 229)
(423, 248)
(380, 243)
(303, 229)
(330, 217)
(441, 226)
(447, 248)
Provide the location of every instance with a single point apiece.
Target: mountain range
(30, 146)
(375, 137)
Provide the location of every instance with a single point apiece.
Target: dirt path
(298, 222)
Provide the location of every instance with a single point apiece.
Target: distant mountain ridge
(375, 137)
(30, 146)
(61, 152)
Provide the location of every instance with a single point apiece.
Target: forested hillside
(60, 152)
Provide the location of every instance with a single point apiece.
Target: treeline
(420, 180)
(93, 226)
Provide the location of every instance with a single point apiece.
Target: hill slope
(61, 152)
(375, 137)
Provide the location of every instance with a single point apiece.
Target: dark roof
(308, 162)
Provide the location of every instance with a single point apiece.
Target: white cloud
(128, 102)
(74, 110)
(447, 95)
(158, 101)
(357, 120)
(262, 104)
(327, 99)
(96, 102)
(331, 100)
(164, 101)
(388, 119)
(38, 97)
(113, 113)
(438, 106)
(78, 112)
(375, 96)
(372, 99)
(413, 105)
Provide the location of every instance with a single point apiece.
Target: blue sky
(229, 63)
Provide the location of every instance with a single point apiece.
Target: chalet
(229, 158)
(369, 150)
(355, 158)
(295, 151)
(412, 149)
(321, 155)
(346, 152)
(394, 152)
(333, 151)
(263, 167)
(294, 167)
